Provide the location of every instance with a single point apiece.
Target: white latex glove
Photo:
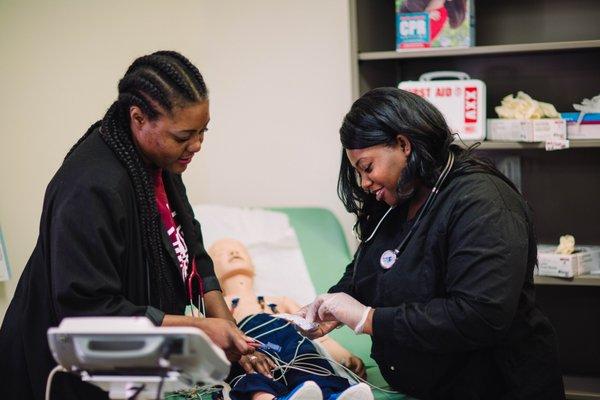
(338, 307)
(322, 329)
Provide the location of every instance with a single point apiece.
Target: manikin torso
(242, 299)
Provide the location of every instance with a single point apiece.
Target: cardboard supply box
(583, 131)
(526, 130)
(589, 128)
(461, 100)
(584, 260)
(420, 26)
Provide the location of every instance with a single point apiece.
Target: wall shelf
(558, 65)
(582, 280)
(577, 387)
(493, 145)
(480, 50)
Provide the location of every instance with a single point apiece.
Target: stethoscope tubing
(430, 199)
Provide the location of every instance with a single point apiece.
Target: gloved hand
(322, 329)
(338, 307)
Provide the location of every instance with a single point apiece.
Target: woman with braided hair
(117, 234)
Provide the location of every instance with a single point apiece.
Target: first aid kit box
(584, 260)
(459, 98)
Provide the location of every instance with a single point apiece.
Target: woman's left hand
(356, 365)
(338, 307)
(258, 362)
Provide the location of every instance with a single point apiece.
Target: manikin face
(230, 257)
(170, 141)
(380, 168)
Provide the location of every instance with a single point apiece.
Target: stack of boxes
(584, 260)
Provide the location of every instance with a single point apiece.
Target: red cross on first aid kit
(459, 98)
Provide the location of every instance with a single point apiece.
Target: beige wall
(278, 71)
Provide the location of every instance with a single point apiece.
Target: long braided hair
(166, 79)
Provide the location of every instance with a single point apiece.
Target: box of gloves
(526, 130)
(585, 123)
(582, 127)
(583, 260)
(523, 119)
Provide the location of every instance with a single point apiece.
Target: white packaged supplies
(581, 262)
(526, 130)
(461, 100)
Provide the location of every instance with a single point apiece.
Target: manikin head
(230, 257)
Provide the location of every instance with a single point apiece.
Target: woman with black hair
(117, 234)
(443, 278)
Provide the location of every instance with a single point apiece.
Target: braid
(187, 65)
(174, 77)
(153, 82)
(142, 86)
(115, 133)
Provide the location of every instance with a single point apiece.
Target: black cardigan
(455, 317)
(88, 261)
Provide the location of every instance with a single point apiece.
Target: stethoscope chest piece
(388, 258)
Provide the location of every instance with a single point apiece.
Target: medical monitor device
(118, 353)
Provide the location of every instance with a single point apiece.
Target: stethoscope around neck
(388, 258)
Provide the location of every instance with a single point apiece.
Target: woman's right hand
(322, 329)
(227, 336)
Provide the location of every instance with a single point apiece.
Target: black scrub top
(88, 261)
(455, 316)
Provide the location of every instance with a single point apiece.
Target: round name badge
(388, 258)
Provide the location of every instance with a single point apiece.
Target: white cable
(237, 379)
(350, 372)
(240, 326)
(298, 362)
(308, 371)
(259, 326)
(58, 368)
(298, 349)
(357, 377)
(272, 330)
(286, 365)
